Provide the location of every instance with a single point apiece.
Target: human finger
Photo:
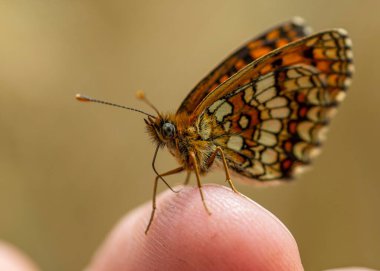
(239, 235)
(11, 259)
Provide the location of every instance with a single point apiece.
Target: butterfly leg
(187, 178)
(228, 176)
(171, 172)
(196, 169)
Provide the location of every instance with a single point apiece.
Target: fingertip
(239, 234)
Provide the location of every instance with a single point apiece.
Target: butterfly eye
(168, 130)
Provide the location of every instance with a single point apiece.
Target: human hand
(239, 235)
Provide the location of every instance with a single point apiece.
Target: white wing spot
(265, 82)
(292, 73)
(222, 111)
(342, 31)
(348, 42)
(280, 113)
(235, 143)
(215, 105)
(321, 133)
(256, 169)
(304, 82)
(314, 152)
(271, 125)
(269, 156)
(277, 102)
(298, 21)
(243, 122)
(349, 54)
(299, 151)
(248, 95)
(331, 112)
(313, 113)
(265, 138)
(227, 126)
(266, 95)
(304, 129)
(351, 68)
(291, 84)
(347, 82)
(312, 96)
(340, 96)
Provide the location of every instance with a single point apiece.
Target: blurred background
(70, 171)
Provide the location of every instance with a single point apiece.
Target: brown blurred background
(69, 171)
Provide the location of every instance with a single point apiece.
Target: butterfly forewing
(329, 52)
(270, 118)
(255, 48)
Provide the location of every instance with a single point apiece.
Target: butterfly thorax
(181, 136)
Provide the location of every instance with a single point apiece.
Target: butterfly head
(161, 129)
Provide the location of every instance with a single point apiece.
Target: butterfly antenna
(83, 98)
(141, 96)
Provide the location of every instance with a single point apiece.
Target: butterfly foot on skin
(207, 210)
(232, 186)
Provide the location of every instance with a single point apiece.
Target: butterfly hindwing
(273, 122)
(255, 48)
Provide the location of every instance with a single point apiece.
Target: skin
(239, 235)
(13, 260)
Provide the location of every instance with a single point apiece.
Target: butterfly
(262, 113)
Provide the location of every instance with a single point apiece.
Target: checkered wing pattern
(271, 117)
(253, 49)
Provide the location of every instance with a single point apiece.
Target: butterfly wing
(255, 48)
(271, 117)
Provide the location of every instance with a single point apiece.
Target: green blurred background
(69, 171)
